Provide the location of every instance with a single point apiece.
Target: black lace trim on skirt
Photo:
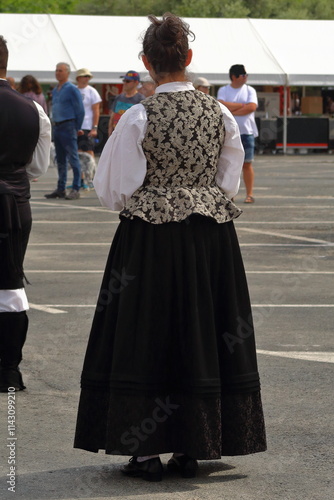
(204, 428)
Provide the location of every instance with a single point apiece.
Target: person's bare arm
(231, 106)
(111, 124)
(246, 109)
(96, 117)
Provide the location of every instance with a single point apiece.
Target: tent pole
(285, 119)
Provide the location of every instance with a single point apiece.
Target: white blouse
(122, 166)
(41, 156)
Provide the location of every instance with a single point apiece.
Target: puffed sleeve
(122, 166)
(232, 156)
(41, 156)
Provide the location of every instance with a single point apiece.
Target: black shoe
(185, 465)
(56, 194)
(150, 470)
(10, 377)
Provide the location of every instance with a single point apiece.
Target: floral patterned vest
(184, 136)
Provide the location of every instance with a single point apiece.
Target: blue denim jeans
(248, 143)
(65, 139)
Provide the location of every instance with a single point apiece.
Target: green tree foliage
(290, 9)
(125, 8)
(38, 6)
(184, 8)
(211, 8)
(308, 9)
(266, 9)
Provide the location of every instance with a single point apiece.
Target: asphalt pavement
(287, 241)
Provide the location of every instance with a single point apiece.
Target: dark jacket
(19, 132)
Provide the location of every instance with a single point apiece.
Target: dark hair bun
(170, 31)
(165, 43)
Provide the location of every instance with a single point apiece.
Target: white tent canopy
(303, 49)
(275, 52)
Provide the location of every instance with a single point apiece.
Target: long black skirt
(171, 361)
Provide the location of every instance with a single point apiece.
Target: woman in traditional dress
(171, 361)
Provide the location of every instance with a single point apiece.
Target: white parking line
(60, 271)
(288, 236)
(282, 222)
(294, 197)
(241, 244)
(92, 271)
(70, 306)
(68, 244)
(289, 272)
(295, 206)
(293, 305)
(47, 309)
(75, 207)
(53, 308)
(322, 357)
(48, 222)
(268, 223)
(286, 244)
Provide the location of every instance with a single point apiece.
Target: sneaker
(73, 195)
(56, 194)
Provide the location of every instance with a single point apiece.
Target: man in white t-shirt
(241, 100)
(91, 100)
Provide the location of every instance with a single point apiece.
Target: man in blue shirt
(68, 114)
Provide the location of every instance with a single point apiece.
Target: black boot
(13, 332)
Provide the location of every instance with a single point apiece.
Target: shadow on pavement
(107, 482)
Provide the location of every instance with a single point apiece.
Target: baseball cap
(201, 82)
(84, 72)
(131, 75)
